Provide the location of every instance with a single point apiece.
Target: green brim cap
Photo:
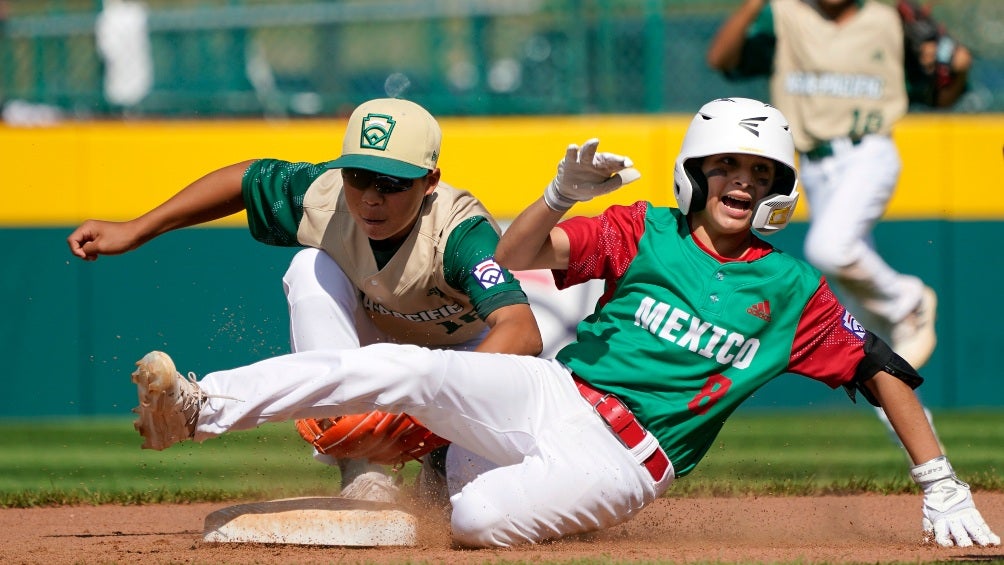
(381, 165)
(390, 136)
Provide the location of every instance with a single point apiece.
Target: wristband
(931, 471)
(555, 200)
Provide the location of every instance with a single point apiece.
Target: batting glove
(585, 174)
(950, 517)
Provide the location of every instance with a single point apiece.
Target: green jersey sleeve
(273, 197)
(469, 266)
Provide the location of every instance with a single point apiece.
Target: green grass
(838, 452)
(98, 461)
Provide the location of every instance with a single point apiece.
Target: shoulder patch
(488, 273)
(852, 325)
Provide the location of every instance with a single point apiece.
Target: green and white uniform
(434, 289)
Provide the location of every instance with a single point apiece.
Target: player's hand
(98, 237)
(585, 174)
(950, 516)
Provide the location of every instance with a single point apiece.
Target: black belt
(824, 149)
(624, 425)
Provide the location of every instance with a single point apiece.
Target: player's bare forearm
(532, 241)
(513, 330)
(727, 46)
(906, 414)
(961, 63)
(214, 196)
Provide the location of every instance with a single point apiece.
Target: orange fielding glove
(380, 437)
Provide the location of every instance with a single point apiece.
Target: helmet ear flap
(699, 182)
(690, 187)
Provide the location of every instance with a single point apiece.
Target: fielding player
(393, 255)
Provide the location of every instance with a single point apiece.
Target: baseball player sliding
(698, 313)
(393, 254)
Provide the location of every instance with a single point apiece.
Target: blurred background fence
(457, 57)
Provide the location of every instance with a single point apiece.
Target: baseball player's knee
(827, 255)
(304, 259)
(312, 272)
(409, 371)
(301, 267)
(477, 522)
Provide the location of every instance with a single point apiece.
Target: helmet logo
(376, 132)
(752, 124)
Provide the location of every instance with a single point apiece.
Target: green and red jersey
(683, 336)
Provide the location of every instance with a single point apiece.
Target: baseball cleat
(913, 338)
(169, 404)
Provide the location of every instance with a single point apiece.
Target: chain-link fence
(87, 58)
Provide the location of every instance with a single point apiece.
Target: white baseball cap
(390, 136)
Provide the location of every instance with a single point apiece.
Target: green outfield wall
(212, 296)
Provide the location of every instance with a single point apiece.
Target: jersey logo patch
(488, 273)
(852, 325)
(760, 310)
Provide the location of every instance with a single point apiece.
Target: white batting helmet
(746, 126)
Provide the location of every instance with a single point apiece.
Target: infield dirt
(833, 529)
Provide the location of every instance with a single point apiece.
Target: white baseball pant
(560, 471)
(324, 307)
(848, 193)
(325, 313)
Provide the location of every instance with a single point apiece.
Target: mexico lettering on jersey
(684, 337)
(677, 326)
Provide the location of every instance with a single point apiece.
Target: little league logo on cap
(376, 132)
(390, 136)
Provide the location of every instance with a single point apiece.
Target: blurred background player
(394, 255)
(838, 72)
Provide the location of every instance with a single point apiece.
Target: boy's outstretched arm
(950, 516)
(532, 241)
(215, 195)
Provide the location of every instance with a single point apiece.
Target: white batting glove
(585, 174)
(950, 516)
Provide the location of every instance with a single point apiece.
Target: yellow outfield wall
(57, 176)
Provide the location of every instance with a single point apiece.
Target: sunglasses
(361, 179)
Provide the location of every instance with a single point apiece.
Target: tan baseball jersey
(421, 294)
(834, 80)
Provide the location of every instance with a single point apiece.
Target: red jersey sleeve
(829, 342)
(602, 247)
